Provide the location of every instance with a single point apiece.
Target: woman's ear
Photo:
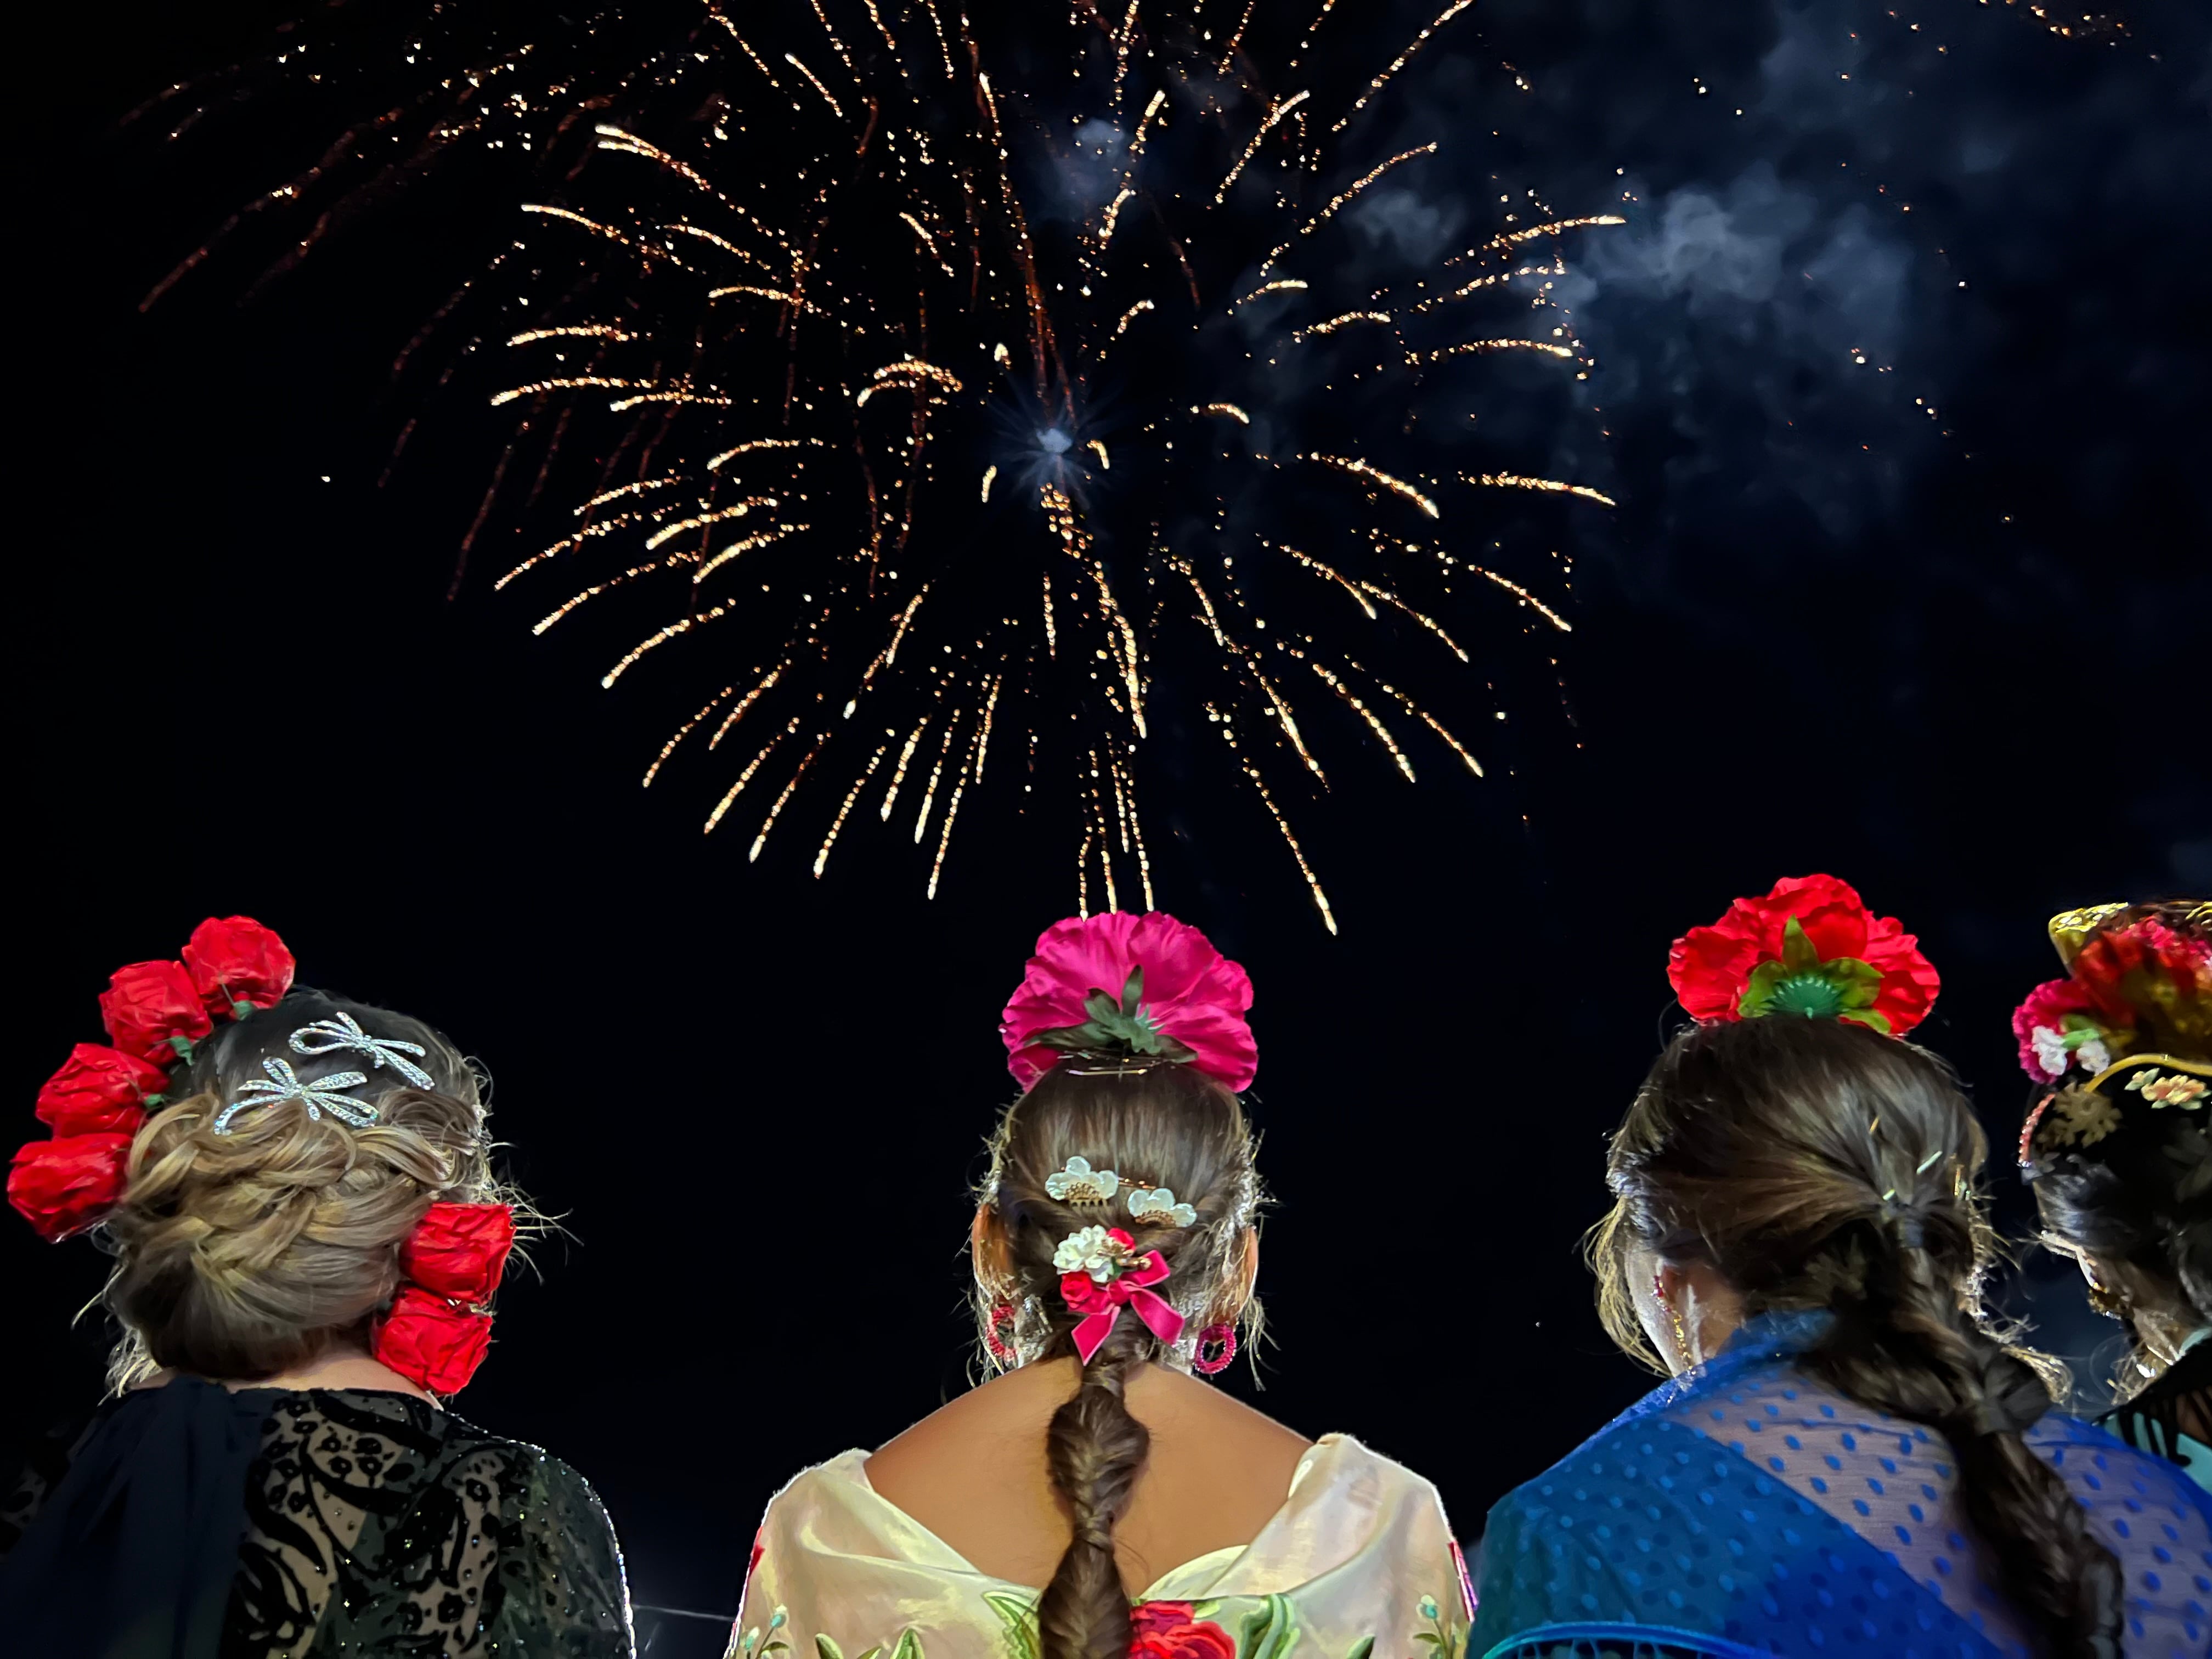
(987, 1246)
(1249, 1280)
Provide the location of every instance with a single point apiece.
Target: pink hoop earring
(1001, 1318)
(1217, 1346)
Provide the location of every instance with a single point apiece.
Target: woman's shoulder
(1342, 1467)
(2109, 1475)
(383, 1438)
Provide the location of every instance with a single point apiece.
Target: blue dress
(1743, 1511)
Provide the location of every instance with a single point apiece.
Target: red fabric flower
(99, 1088)
(430, 1342)
(149, 1007)
(2144, 968)
(64, 1185)
(234, 959)
(1165, 1630)
(1191, 994)
(459, 1250)
(1713, 969)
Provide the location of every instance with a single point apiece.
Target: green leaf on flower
(1800, 983)
(1361, 1648)
(1125, 1027)
(826, 1648)
(910, 1645)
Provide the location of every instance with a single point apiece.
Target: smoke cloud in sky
(1837, 209)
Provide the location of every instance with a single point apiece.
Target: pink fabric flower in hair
(1190, 994)
(2057, 1022)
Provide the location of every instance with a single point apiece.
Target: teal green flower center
(1800, 982)
(1808, 995)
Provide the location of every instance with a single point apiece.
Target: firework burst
(1000, 407)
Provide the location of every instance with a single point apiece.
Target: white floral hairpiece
(283, 1083)
(1160, 1203)
(1092, 1250)
(1078, 1183)
(345, 1032)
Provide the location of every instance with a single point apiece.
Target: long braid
(1902, 1344)
(1095, 1450)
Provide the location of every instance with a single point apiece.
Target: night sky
(1933, 621)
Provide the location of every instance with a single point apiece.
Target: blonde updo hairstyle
(246, 1253)
(1155, 1125)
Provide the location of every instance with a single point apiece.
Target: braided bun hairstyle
(250, 1252)
(1160, 1125)
(1815, 1164)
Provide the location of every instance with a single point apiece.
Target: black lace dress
(192, 1522)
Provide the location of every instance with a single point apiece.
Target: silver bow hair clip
(344, 1032)
(283, 1083)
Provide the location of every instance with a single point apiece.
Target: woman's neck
(336, 1368)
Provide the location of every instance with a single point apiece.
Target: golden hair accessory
(2185, 1087)
(1156, 1206)
(2069, 930)
(1077, 1182)
(2196, 1068)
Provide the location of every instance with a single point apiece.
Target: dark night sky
(1956, 659)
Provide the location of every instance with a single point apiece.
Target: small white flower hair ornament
(1092, 1250)
(1156, 1206)
(1077, 1182)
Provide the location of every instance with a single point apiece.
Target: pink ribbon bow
(1103, 1304)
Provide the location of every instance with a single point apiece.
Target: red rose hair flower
(99, 1089)
(459, 1250)
(155, 1013)
(233, 960)
(153, 1010)
(430, 1342)
(1146, 983)
(66, 1185)
(1809, 947)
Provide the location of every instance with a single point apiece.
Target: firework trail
(996, 405)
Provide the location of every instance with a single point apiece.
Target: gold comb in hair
(2071, 929)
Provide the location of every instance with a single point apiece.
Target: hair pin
(344, 1032)
(283, 1083)
(1077, 1182)
(1158, 1206)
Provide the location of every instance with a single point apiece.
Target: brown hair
(1814, 1164)
(1158, 1126)
(246, 1253)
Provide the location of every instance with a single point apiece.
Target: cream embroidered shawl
(1358, 1558)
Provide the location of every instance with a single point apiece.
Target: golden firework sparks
(1554, 486)
(1375, 475)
